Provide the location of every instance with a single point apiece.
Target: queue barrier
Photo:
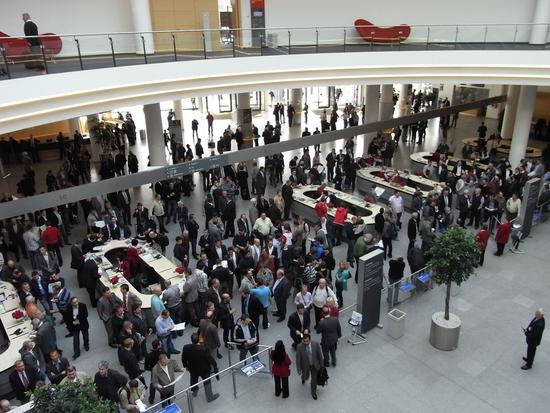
(408, 287)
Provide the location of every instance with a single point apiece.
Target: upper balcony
(48, 53)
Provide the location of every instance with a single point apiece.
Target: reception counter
(421, 159)
(305, 198)
(503, 147)
(391, 180)
(13, 333)
(162, 267)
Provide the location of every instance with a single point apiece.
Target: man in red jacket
(51, 236)
(502, 236)
(482, 237)
(338, 224)
(321, 209)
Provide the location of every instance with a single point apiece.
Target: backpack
(322, 376)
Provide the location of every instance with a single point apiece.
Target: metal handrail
(451, 26)
(213, 376)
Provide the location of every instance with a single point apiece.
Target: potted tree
(71, 397)
(453, 257)
(104, 135)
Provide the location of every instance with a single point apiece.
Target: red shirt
(321, 209)
(340, 216)
(283, 369)
(482, 238)
(51, 236)
(132, 257)
(503, 233)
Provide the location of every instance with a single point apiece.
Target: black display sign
(531, 193)
(196, 165)
(369, 291)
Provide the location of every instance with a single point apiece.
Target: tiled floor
(408, 374)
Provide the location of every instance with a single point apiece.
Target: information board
(196, 165)
(369, 290)
(531, 193)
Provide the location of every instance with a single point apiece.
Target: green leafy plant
(104, 135)
(454, 256)
(71, 397)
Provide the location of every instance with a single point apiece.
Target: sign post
(369, 290)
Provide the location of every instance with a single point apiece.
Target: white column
(541, 20)
(371, 113)
(385, 106)
(510, 112)
(244, 119)
(296, 101)
(141, 17)
(403, 103)
(74, 125)
(522, 126)
(155, 139)
(95, 148)
(178, 110)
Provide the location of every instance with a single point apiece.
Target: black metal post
(79, 54)
(316, 41)
(5, 62)
(112, 50)
(232, 41)
(289, 52)
(44, 58)
(345, 35)
(261, 44)
(174, 46)
(143, 45)
(204, 45)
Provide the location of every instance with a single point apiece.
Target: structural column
(522, 126)
(403, 103)
(141, 17)
(95, 148)
(385, 107)
(371, 113)
(244, 119)
(541, 20)
(74, 125)
(155, 139)
(296, 101)
(510, 111)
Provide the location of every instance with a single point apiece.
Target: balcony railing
(74, 52)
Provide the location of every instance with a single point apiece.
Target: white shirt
(396, 203)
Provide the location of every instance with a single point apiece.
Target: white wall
(73, 16)
(308, 13)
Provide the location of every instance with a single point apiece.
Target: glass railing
(65, 53)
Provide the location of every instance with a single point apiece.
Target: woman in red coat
(502, 236)
(280, 369)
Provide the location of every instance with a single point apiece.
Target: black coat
(77, 258)
(411, 229)
(282, 292)
(17, 385)
(224, 316)
(129, 361)
(107, 387)
(255, 308)
(294, 324)
(533, 333)
(82, 318)
(198, 360)
(90, 274)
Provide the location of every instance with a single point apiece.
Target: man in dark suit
(298, 323)
(90, 275)
(124, 203)
(412, 229)
(22, 380)
(309, 359)
(30, 29)
(242, 223)
(45, 336)
(229, 213)
(251, 305)
(226, 319)
(46, 262)
(128, 359)
(77, 322)
(141, 213)
(330, 330)
(261, 181)
(280, 292)
(56, 367)
(218, 251)
(533, 336)
(221, 273)
(77, 261)
(200, 363)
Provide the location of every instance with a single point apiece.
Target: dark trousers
(227, 335)
(411, 243)
(356, 269)
(91, 293)
(281, 308)
(265, 321)
(229, 228)
(387, 247)
(152, 391)
(318, 311)
(281, 383)
(313, 373)
(481, 257)
(500, 248)
(193, 242)
(531, 350)
(177, 316)
(244, 351)
(329, 353)
(76, 340)
(55, 249)
(287, 210)
(166, 395)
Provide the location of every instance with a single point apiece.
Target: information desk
(162, 267)
(392, 180)
(504, 147)
(421, 159)
(13, 333)
(305, 198)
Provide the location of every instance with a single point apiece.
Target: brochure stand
(355, 321)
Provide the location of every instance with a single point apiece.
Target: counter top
(424, 157)
(370, 175)
(503, 146)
